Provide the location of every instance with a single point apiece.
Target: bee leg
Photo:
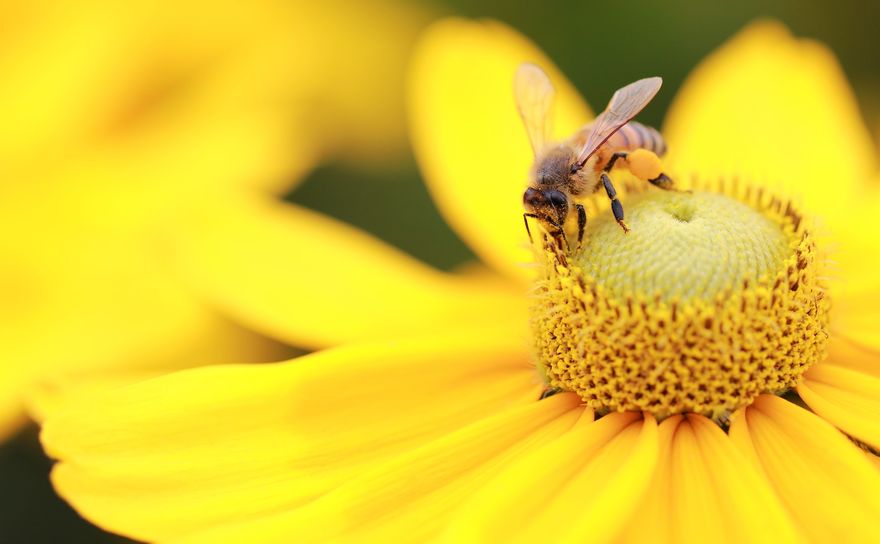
(664, 182)
(560, 232)
(614, 157)
(549, 392)
(582, 223)
(616, 206)
(526, 221)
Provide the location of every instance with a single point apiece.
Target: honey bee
(580, 166)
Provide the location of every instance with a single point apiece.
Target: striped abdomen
(629, 137)
(635, 135)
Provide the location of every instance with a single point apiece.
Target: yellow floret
(711, 300)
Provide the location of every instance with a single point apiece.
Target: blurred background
(117, 119)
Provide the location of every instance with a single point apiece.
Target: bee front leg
(616, 206)
(560, 231)
(526, 221)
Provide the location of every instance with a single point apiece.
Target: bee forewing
(626, 103)
(534, 96)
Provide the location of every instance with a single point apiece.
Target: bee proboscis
(580, 166)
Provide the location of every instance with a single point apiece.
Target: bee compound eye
(557, 199)
(532, 196)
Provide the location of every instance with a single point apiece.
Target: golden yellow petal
(12, 414)
(699, 470)
(769, 107)
(847, 398)
(582, 486)
(57, 391)
(410, 498)
(853, 355)
(222, 444)
(313, 281)
(856, 316)
(468, 137)
(855, 285)
(97, 75)
(86, 293)
(827, 485)
(875, 460)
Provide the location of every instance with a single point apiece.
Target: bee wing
(624, 105)
(534, 96)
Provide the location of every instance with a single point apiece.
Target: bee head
(548, 203)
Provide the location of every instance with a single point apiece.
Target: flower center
(713, 298)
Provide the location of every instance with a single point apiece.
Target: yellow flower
(427, 421)
(120, 120)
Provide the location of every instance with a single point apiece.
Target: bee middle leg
(614, 158)
(582, 223)
(616, 206)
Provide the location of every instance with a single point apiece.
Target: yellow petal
(853, 355)
(410, 498)
(855, 284)
(312, 281)
(853, 246)
(828, 486)
(221, 444)
(872, 458)
(582, 486)
(856, 317)
(85, 295)
(57, 391)
(706, 491)
(12, 414)
(847, 398)
(99, 75)
(468, 137)
(768, 107)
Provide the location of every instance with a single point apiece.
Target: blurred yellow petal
(855, 284)
(122, 119)
(94, 300)
(847, 398)
(12, 414)
(872, 458)
(706, 491)
(410, 498)
(846, 353)
(222, 444)
(769, 108)
(55, 393)
(313, 281)
(856, 317)
(468, 137)
(825, 482)
(581, 486)
(98, 74)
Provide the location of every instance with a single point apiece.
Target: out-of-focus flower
(120, 120)
(430, 422)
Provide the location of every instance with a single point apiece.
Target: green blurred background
(599, 45)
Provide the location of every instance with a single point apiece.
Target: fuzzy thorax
(713, 298)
